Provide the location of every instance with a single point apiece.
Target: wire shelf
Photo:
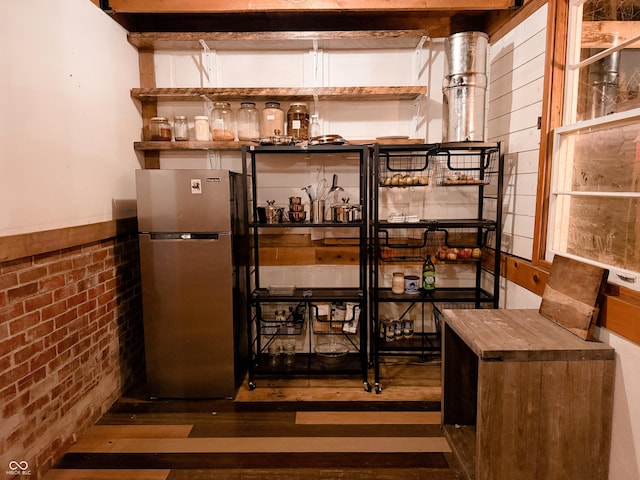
(464, 167)
(406, 169)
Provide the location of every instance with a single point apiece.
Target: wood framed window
(593, 179)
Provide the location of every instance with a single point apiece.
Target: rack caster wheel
(378, 388)
(252, 386)
(367, 387)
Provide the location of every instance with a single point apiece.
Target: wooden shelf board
(286, 94)
(326, 40)
(237, 145)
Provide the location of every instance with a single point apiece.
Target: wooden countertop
(520, 335)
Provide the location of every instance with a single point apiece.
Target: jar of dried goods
(298, 121)
(159, 129)
(201, 128)
(272, 120)
(222, 122)
(248, 120)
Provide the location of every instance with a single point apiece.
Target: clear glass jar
(397, 283)
(180, 128)
(248, 120)
(222, 122)
(298, 121)
(201, 128)
(159, 129)
(272, 120)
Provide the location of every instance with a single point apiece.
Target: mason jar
(222, 122)
(180, 128)
(298, 121)
(159, 129)
(201, 128)
(248, 121)
(272, 120)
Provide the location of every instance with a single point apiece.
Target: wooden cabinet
(523, 398)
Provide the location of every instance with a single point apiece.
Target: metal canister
(464, 87)
(467, 52)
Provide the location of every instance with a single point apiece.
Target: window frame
(559, 114)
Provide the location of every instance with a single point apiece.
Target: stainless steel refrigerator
(193, 265)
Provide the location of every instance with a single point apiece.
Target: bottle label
(429, 281)
(295, 124)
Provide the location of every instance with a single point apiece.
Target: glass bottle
(298, 121)
(428, 275)
(272, 120)
(248, 121)
(180, 128)
(159, 129)
(222, 122)
(314, 128)
(201, 128)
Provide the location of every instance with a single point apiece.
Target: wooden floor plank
(250, 461)
(269, 445)
(111, 474)
(296, 394)
(139, 431)
(377, 473)
(371, 418)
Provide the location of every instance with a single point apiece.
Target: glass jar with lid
(180, 128)
(298, 121)
(201, 128)
(159, 129)
(248, 121)
(222, 122)
(272, 120)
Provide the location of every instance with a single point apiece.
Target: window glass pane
(601, 229)
(610, 84)
(601, 159)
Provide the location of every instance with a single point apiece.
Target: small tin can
(411, 284)
(407, 328)
(389, 331)
(397, 329)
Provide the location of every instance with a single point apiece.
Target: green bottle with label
(428, 276)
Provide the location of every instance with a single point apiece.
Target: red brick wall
(71, 341)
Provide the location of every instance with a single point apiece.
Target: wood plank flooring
(261, 436)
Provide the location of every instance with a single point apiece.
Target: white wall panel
(517, 64)
(68, 123)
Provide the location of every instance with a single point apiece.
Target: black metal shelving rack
(472, 166)
(301, 304)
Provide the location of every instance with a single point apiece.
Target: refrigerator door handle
(187, 236)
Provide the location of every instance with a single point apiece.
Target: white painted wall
(68, 122)
(515, 102)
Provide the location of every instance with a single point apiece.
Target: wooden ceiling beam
(240, 6)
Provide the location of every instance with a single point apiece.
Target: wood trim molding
(552, 104)
(27, 244)
(226, 6)
(501, 23)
